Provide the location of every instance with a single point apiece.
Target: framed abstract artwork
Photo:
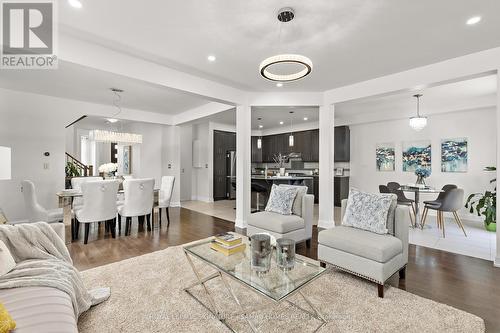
(416, 154)
(454, 155)
(385, 155)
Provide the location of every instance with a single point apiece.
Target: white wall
(186, 139)
(33, 124)
(171, 162)
(200, 176)
(477, 125)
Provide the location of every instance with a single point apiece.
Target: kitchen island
(269, 181)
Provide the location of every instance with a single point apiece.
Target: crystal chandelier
(418, 123)
(117, 137)
(265, 68)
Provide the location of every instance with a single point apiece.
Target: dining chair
(138, 202)
(386, 189)
(76, 184)
(35, 211)
(394, 187)
(441, 195)
(451, 201)
(165, 196)
(99, 205)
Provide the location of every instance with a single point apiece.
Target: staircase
(84, 170)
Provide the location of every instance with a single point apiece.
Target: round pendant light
(303, 63)
(418, 123)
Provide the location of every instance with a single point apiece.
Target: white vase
(282, 172)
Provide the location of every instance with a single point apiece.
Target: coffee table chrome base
(243, 312)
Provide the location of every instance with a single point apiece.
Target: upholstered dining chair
(451, 201)
(76, 184)
(165, 196)
(99, 204)
(35, 211)
(139, 198)
(441, 195)
(402, 200)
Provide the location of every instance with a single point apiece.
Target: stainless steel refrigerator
(231, 174)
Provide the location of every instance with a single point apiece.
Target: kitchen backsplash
(309, 167)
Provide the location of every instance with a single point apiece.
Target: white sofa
(298, 228)
(372, 256)
(40, 309)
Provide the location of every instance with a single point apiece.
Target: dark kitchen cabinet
(340, 189)
(313, 147)
(269, 147)
(256, 152)
(342, 144)
(316, 188)
(223, 142)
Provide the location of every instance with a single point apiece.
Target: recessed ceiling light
(474, 20)
(211, 58)
(112, 120)
(75, 3)
(279, 84)
(305, 118)
(281, 123)
(260, 126)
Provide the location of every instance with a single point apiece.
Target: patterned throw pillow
(368, 211)
(281, 200)
(297, 203)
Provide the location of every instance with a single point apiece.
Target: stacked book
(228, 244)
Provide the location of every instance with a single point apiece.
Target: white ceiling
(271, 117)
(348, 40)
(458, 96)
(86, 84)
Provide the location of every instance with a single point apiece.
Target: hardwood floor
(466, 283)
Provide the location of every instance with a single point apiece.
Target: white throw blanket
(43, 261)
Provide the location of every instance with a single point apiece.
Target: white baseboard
(175, 204)
(496, 263)
(240, 224)
(204, 199)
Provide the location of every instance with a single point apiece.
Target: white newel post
(326, 166)
(497, 258)
(243, 164)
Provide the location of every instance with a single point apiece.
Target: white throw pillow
(297, 203)
(281, 200)
(368, 211)
(7, 263)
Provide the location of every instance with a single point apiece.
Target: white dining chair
(99, 204)
(138, 202)
(35, 211)
(76, 184)
(165, 195)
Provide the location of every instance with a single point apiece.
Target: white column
(326, 166)
(243, 164)
(497, 258)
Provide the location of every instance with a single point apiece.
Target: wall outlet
(169, 166)
(206, 166)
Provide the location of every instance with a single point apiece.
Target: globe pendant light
(259, 140)
(418, 123)
(265, 68)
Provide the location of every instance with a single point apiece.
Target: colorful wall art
(454, 155)
(385, 156)
(416, 154)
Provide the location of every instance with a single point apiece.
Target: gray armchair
(298, 228)
(372, 256)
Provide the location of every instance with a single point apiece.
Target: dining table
(417, 190)
(66, 198)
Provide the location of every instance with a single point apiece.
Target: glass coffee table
(276, 285)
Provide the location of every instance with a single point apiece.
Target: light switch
(46, 166)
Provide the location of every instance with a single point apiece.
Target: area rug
(147, 296)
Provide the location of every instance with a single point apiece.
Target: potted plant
(421, 174)
(71, 171)
(485, 204)
(280, 161)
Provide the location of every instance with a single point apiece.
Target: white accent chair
(76, 184)
(369, 255)
(35, 211)
(166, 189)
(139, 199)
(99, 204)
(298, 228)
